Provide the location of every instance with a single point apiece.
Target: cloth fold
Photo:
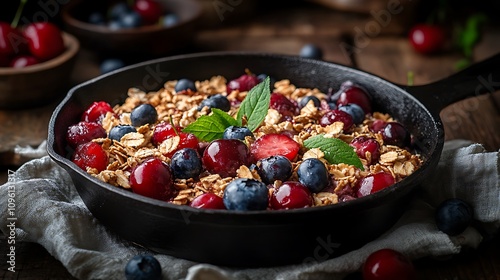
(49, 211)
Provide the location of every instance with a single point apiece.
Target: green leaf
(335, 150)
(255, 105)
(211, 127)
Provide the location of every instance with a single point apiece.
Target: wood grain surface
(286, 31)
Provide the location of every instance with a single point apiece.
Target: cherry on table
(388, 264)
(426, 38)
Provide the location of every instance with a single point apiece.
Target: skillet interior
(259, 238)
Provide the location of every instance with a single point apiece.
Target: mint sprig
(255, 105)
(254, 108)
(336, 151)
(211, 127)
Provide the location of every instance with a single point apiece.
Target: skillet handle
(479, 78)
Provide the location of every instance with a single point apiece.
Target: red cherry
(291, 195)
(152, 178)
(374, 183)
(208, 201)
(427, 39)
(12, 41)
(90, 155)
(84, 132)
(363, 145)
(225, 156)
(337, 116)
(23, 61)
(352, 93)
(243, 83)
(96, 112)
(149, 10)
(274, 145)
(388, 264)
(283, 105)
(45, 40)
(377, 126)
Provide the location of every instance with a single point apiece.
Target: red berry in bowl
(291, 195)
(149, 10)
(12, 42)
(274, 145)
(337, 116)
(377, 126)
(225, 156)
(208, 201)
(366, 148)
(243, 83)
(96, 112)
(90, 155)
(152, 178)
(427, 39)
(164, 131)
(355, 94)
(23, 61)
(283, 105)
(45, 40)
(374, 183)
(84, 132)
(388, 264)
(396, 134)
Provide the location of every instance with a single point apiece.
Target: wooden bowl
(38, 84)
(149, 39)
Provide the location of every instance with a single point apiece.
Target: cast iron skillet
(262, 238)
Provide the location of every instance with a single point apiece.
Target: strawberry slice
(274, 145)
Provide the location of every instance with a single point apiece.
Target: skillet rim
(362, 202)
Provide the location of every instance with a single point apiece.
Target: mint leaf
(211, 127)
(255, 105)
(336, 151)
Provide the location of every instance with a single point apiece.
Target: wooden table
(286, 31)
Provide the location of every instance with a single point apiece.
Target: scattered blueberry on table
(143, 267)
(453, 216)
(311, 51)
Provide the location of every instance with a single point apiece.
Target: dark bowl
(260, 238)
(32, 86)
(149, 39)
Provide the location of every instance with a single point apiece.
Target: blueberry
(313, 174)
(96, 18)
(311, 51)
(118, 10)
(115, 25)
(356, 112)
(117, 132)
(274, 168)
(332, 105)
(184, 84)
(170, 20)
(216, 101)
(111, 64)
(131, 20)
(236, 132)
(246, 194)
(143, 267)
(303, 102)
(186, 163)
(453, 216)
(262, 77)
(143, 114)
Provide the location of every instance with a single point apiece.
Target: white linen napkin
(48, 211)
